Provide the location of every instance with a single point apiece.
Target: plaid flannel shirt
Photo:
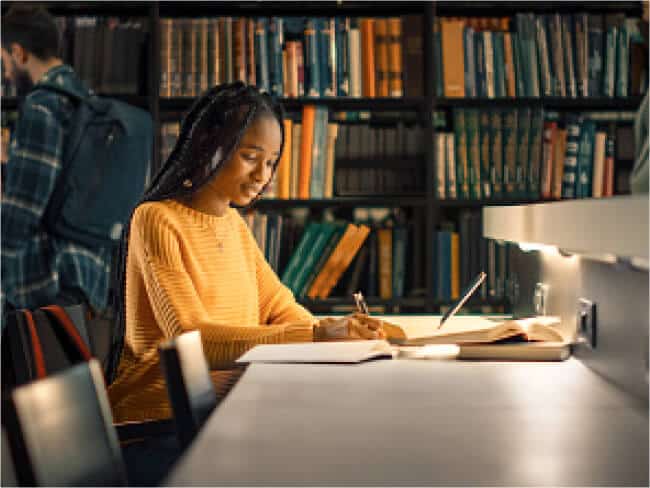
(36, 265)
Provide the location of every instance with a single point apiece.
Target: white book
(354, 58)
(319, 352)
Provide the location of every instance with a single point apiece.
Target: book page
(318, 352)
(464, 329)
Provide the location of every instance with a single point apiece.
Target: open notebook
(318, 352)
(477, 337)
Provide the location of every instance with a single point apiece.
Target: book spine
(543, 55)
(523, 141)
(508, 52)
(535, 154)
(395, 58)
(342, 57)
(581, 39)
(441, 165)
(400, 238)
(596, 55)
(275, 42)
(299, 253)
(510, 151)
(250, 52)
(470, 68)
(381, 57)
(569, 178)
(462, 168)
(555, 33)
(262, 56)
(473, 153)
(499, 65)
(323, 256)
(559, 155)
(451, 167)
(599, 165)
(486, 163)
(548, 149)
(356, 84)
(326, 69)
(438, 76)
(610, 155)
(367, 27)
(312, 75)
(569, 64)
(585, 159)
(385, 242)
(496, 150)
(622, 62)
(412, 42)
(453, 65)
(480, 65)
(313, 253)
(454, 266)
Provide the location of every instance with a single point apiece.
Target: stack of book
(97, 46)
(529, 55)
(524, 153)
(289, 56)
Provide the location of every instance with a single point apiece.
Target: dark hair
(33, 28)
(210, 132)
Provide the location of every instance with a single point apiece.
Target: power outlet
(587, 325)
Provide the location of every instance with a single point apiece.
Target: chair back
(189, 385)
(61, 433)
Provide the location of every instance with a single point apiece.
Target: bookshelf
(432, 209)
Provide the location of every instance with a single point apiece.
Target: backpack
(105, 169)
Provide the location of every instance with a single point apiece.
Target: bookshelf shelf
(11, 103)
(180, 104)
(140, 9)
(555, 103)
(504, 8)
(370, 201)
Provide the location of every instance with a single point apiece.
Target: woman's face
(250, 168)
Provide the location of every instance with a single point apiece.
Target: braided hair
(210, 133)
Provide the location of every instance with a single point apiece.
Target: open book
(318, 352)
(536, 338)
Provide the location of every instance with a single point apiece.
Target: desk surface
(410, 422)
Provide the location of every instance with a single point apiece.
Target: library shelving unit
(164, 109)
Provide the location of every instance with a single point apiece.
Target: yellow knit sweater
(187, 270)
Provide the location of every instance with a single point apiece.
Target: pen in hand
(361, 303)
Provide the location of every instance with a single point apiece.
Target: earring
(187, 183)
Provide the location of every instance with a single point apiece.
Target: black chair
(189, 385)
(61, 433)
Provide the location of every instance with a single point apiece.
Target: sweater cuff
(299, 332)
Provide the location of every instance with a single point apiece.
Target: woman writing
(189, 262)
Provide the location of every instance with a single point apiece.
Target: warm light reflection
(534, 246)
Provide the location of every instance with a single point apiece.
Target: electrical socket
(587, 324)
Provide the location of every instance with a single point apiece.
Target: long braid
(216, 116)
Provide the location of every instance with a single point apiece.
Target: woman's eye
(249, 157)
(270, 163)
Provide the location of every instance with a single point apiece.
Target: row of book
(524, 153)
(307, 167)
(329, 257)
(460, 253)
(108, 54)
(529, 55)
(286, 56)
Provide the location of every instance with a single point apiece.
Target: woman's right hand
(351, 327)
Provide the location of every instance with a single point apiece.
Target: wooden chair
(189, 385)
(61, 433)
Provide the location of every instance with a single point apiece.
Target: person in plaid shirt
(39, 268)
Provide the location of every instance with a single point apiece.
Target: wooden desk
(410, 422)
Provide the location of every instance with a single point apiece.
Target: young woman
(189, 262)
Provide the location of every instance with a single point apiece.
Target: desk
(410, 422)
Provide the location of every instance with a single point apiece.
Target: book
(468, 329)
(319, 352)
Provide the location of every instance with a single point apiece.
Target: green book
(523, 142)
(296, 259)
(510, 131)
(320, 258)
(486, 156)
(473, 153)
(496, 150)
(462, 168)
(622, 62)
(312, 255)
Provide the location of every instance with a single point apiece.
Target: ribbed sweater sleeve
(159, 246)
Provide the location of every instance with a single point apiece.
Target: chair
(61, 433)
(189, 385)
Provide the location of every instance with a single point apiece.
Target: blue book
(519, 69)
(499, 65)
(275, 43)
(262, 54)
(523, 58)
(470, 67)
(523, 151)
(342, 57)
(569, 178)
(535, 153)
(481, 81)
(312, 256)
(610, 61)
(585, 161)
(324, 60)
(311, 64)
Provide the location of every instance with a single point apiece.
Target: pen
(464, 296)
(361, 303)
